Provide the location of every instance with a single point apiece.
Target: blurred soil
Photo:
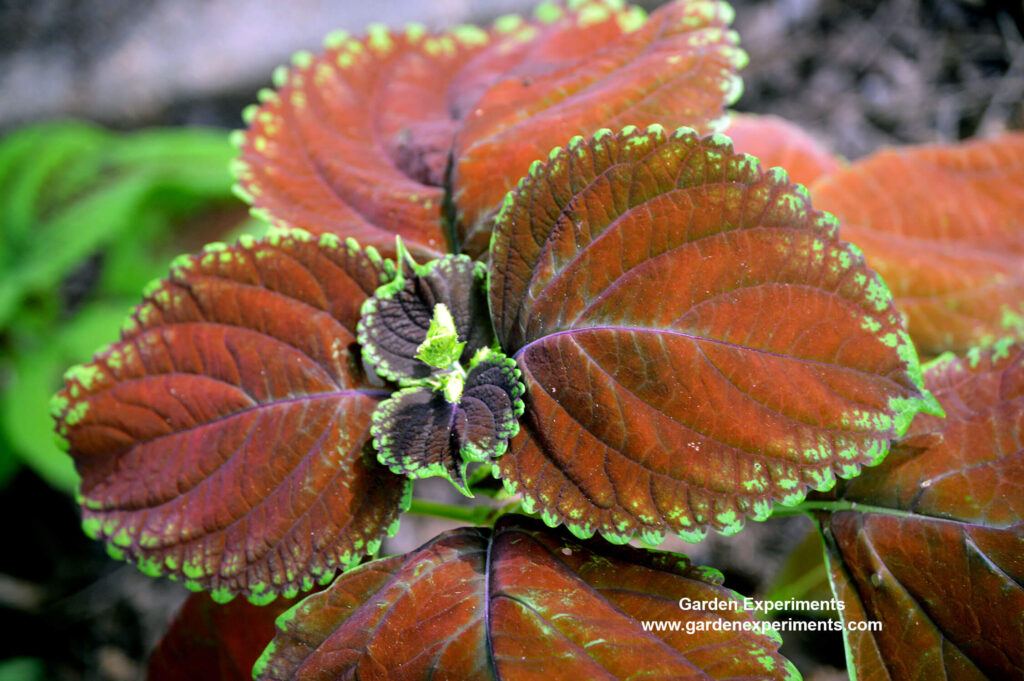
(859, 75)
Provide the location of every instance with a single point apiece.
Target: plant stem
(474, 515)
(837, 505)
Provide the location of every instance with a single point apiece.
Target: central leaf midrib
(559, 464)
(693, 337)
(571, 575)
(339, 394)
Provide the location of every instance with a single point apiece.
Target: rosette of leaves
(647, 408)
(649, 333)
(419, 331)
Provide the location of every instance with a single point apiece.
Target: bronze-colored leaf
(521, 602)
(933, 547)
(355, 141)
(225, 439)
(695, 340)
(358, 141)
(778, 142)
(944, 226)
(581, 70)
(209, 641)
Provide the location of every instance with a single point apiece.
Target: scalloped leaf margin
(695, 341)
(944, 224)
(225, 439)
(358, 141)
(514, 603)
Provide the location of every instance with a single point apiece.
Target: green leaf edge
(705, 573)
(470, 454)
(904, 409)
(61, 411)
(396, 461)
(368, 311)
(377, 37)
(999, 350)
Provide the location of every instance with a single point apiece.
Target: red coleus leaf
(588, 69)
(695, 340)
(944, 226)
(356, 142)
(777, 142)
(224, 439)
(520, 602)
(935, 547)
(209, 641)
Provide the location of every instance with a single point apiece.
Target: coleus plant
(526, 248)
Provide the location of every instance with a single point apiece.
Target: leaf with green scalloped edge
(520, 602)
(424, 431)
(944, 225)
(355, 141)
(598, 65)
(396, 318)
(695, 341)
(935, 547)
(225, 439)
(209, 641)
(778, 142)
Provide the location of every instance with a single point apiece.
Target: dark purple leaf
(420, 433)
(695, 341)
(521, 602)
(395, 320)
(934, 547)
(225, 438)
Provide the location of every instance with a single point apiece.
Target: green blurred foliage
(87, 218)
(804, 576)
(22, 669)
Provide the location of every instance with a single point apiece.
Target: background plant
(724, 523)
(89, 217)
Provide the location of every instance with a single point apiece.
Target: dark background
(859, 75)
